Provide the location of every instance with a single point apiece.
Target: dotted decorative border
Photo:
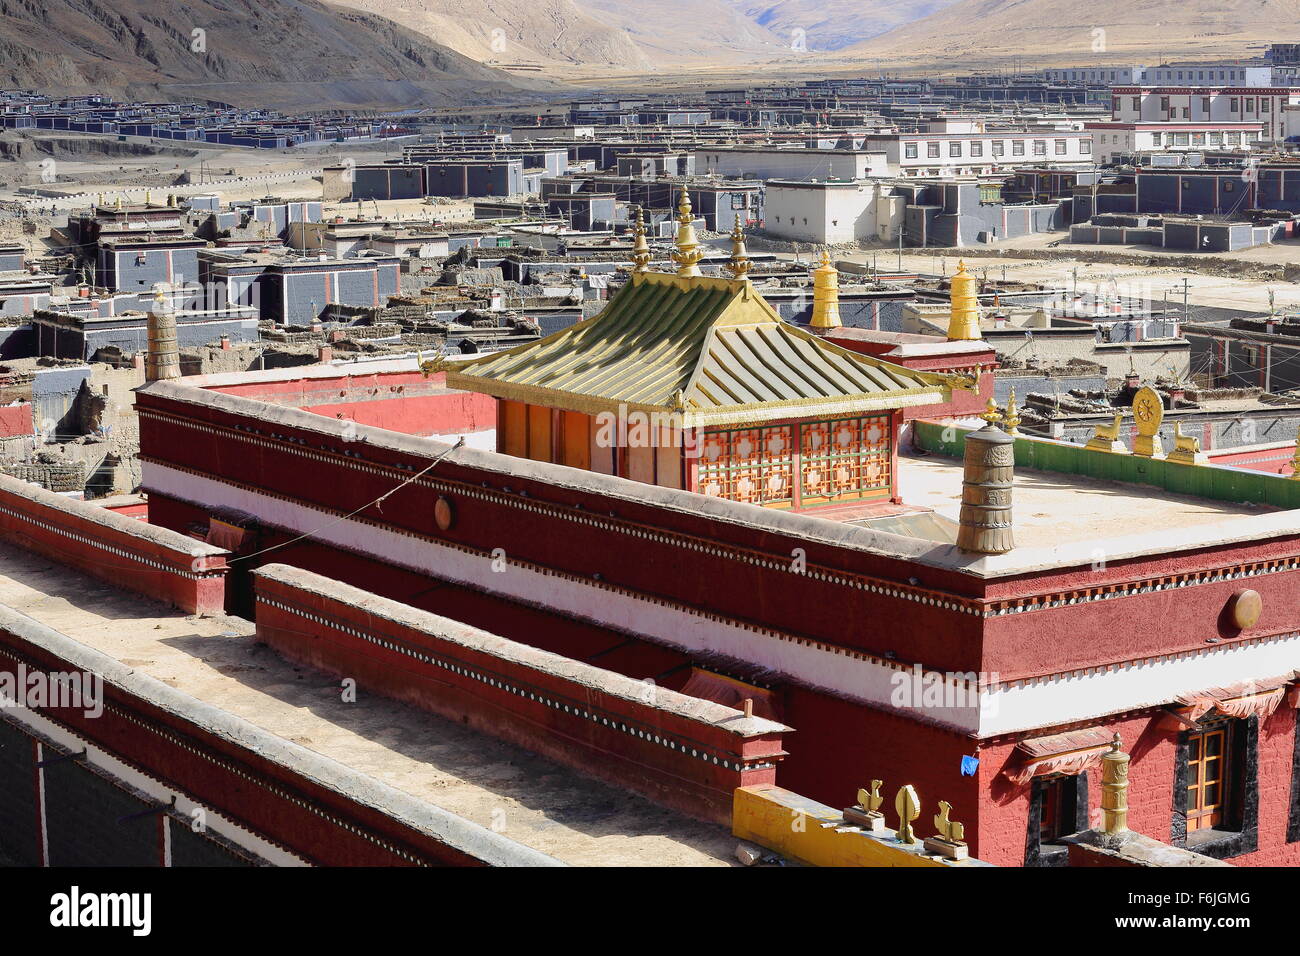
(569, 706)
(111, 549)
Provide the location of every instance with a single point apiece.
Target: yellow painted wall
(814, 833)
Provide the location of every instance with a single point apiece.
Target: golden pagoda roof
(709, 348)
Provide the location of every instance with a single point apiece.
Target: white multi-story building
(784, 162)
(1097, 76)
(1222, 73)
(1218, 105)
(1113, 140)
(979, 153)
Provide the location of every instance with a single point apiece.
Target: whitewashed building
(828, 213)
(1114, 140)
(788, 162)
(1224, 106)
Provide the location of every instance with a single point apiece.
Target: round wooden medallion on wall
(1246, 607)
(444, 513)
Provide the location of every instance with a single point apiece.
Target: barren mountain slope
(833, 24)
(511, 31)
(1102, 31)
(289, 53)
(683, 31)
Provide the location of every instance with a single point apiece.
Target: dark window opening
(1058, 807)
(1216, 788)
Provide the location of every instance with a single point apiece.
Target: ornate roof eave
(746, 414)
(816, 408)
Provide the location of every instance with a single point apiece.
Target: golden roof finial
(1295, 461)
(1106, 437)
(826, 296)
(738, 265)
(1011, 419)
(991, 413)
(964, 317)
(949, 830)
(640, 248)
(688, 253)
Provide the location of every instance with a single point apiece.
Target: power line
(419, 474)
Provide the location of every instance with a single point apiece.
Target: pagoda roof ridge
(708, 348)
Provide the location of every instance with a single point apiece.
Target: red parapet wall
(401, 400)
(121, 550)
(1277, 460)
(680, 751)
(15, 420)
(317, 822)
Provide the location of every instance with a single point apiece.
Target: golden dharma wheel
(1148, 411)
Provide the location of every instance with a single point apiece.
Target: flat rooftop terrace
(218, 661)
(1051, 508)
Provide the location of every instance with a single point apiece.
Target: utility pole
(1268, 347)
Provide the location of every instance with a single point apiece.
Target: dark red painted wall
(686, 763)
(1151, 745)
(196, 585)
(15, 420)
(317, 823)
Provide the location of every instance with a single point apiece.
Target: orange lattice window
(749, 464)
(845, 460)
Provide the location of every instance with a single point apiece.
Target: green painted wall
(1217, 482)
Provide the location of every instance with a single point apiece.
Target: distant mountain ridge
(650, 35)
(514, 31)
(822, 25)
(1099, 31)
(278, 53)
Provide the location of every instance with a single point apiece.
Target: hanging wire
(308, 534)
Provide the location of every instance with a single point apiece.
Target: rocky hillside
(279, 53)
(514, 31)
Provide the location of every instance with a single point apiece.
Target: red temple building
(982, 635)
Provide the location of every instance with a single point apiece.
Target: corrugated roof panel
(661, 335)
(779, 377)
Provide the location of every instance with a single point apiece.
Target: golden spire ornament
(964, 317)
(640, 248)
(688, 253)
(908, 807)
(826, 296)
(991, 413)
(738, 265)
(1012, 417)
